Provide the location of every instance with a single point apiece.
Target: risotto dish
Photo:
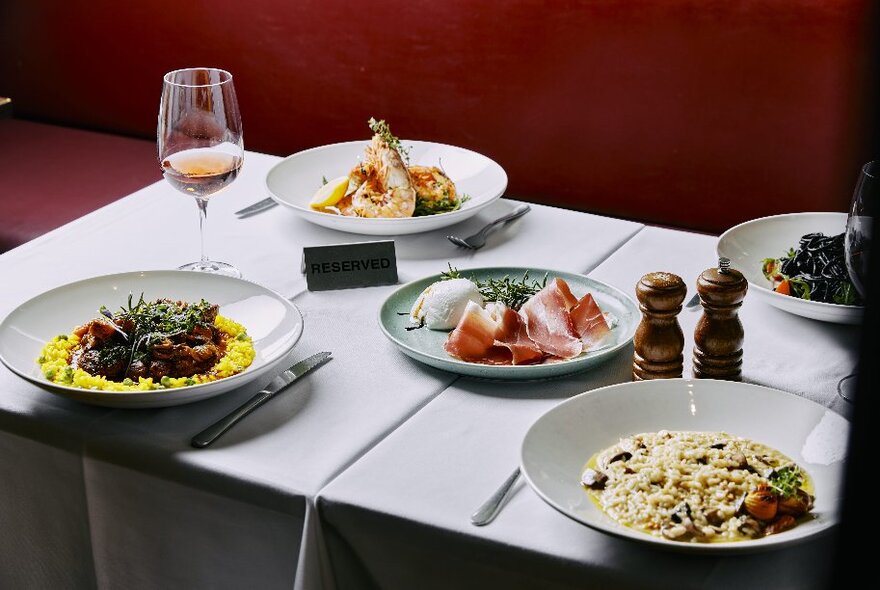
(149, 346)
(698, 487)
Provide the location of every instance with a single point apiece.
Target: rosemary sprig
(511, 292)
(383, 130)
(452, 273)
(155, 321)
(161, 319)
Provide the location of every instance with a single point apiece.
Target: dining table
(365, 472)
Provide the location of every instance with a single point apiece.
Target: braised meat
(156, 339)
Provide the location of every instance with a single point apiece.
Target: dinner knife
(213, 432)
(266, 203)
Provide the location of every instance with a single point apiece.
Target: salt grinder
(718, 339)
(659, 341)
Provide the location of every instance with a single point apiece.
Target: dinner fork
(478, 240)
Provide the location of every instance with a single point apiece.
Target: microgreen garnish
(786, 481)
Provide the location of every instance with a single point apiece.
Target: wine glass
(200, 142)
(857, 243)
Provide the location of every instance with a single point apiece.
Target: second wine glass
(859, 225)
(857, 243)
(200, 143)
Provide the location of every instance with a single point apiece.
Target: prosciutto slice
(495, 336)
(512, 335)
(548, 320)
(552, 325)
(589, 322)
(473, 339)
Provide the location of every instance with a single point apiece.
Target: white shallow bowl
(293, 182)
(558, 445)
(747, 244)
(273, 322)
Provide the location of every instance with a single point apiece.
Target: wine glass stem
(203, 221)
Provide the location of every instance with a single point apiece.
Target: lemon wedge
(330, 194)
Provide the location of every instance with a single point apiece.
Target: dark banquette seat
(695, 114)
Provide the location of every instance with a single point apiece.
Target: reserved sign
(345, 266)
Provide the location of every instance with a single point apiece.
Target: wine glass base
(846, 387)
(216, 268)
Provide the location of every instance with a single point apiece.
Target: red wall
(695, 113)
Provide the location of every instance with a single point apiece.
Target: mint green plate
(427, 345)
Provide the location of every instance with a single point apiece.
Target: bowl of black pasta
(796, 262)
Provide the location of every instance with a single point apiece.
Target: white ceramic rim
(137, 397)
(372, 224)
(788, 299)
(615, 529)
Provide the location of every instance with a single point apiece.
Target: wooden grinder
(659, 341)
(718, 339)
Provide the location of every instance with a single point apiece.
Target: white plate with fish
(429, 345)
(556, 450)
(748, 244)
(294, 181)
(273, 326)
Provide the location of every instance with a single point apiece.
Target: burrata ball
(442, 304)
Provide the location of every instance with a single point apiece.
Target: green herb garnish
(846, 294)
(323, 180)
(162, 319)
(770, 268)
(444, 205)
(452, 273)
(383, 130)
(800, 288)
(110, 355)
(786, 481)
(511, 292)
(154, 322)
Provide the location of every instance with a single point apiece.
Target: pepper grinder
(659, 341)
(718, 339)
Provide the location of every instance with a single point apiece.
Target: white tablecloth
(113, 498)
(398, 518)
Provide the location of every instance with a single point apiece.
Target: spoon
(490, 509)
